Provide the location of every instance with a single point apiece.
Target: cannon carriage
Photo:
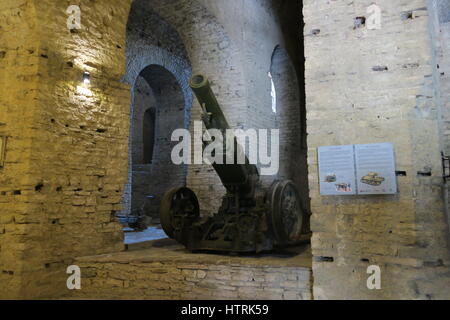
(251, 218)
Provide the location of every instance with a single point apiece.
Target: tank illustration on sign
(373, 179)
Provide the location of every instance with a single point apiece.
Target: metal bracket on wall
(445, 167)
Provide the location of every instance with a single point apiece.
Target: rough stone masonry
(368, 86)
(69, 155)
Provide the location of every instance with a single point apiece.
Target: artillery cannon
(250, 219)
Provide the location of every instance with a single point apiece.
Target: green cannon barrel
(236, 177)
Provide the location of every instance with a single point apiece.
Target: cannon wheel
(178, 201)
(287, 213)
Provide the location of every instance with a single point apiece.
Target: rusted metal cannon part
(286, 212)
(178, 206)
(240, 178)
(250, 219)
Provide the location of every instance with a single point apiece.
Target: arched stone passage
(293, 158)
(287, 109)
(156, 58)
(158, 96)
(177, 36)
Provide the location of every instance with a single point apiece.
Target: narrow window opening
(149, 135)
(273, 93)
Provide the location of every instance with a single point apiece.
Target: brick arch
(288, 108)
(208, 46)
(152, 42)
(155, 88)
(179, 68)
(207, 49)
(288, 118)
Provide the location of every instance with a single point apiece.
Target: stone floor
(150, 234)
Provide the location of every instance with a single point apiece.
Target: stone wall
(255, 28)
(67, 151)
(19, 64)
(236, 58)
(440, 36)
(293, 152)
(169, 272)
(152, 42)
(369, 86)
(144, 100)
(159, 176)
(61, 192)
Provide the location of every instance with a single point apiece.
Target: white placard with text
(375, 168)
(363, 169)
(337, 170)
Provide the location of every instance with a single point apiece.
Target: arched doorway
(158, 70)
(286, 105)
(158, 109)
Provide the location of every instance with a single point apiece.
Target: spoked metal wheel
(287, 214)
(178, 204)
